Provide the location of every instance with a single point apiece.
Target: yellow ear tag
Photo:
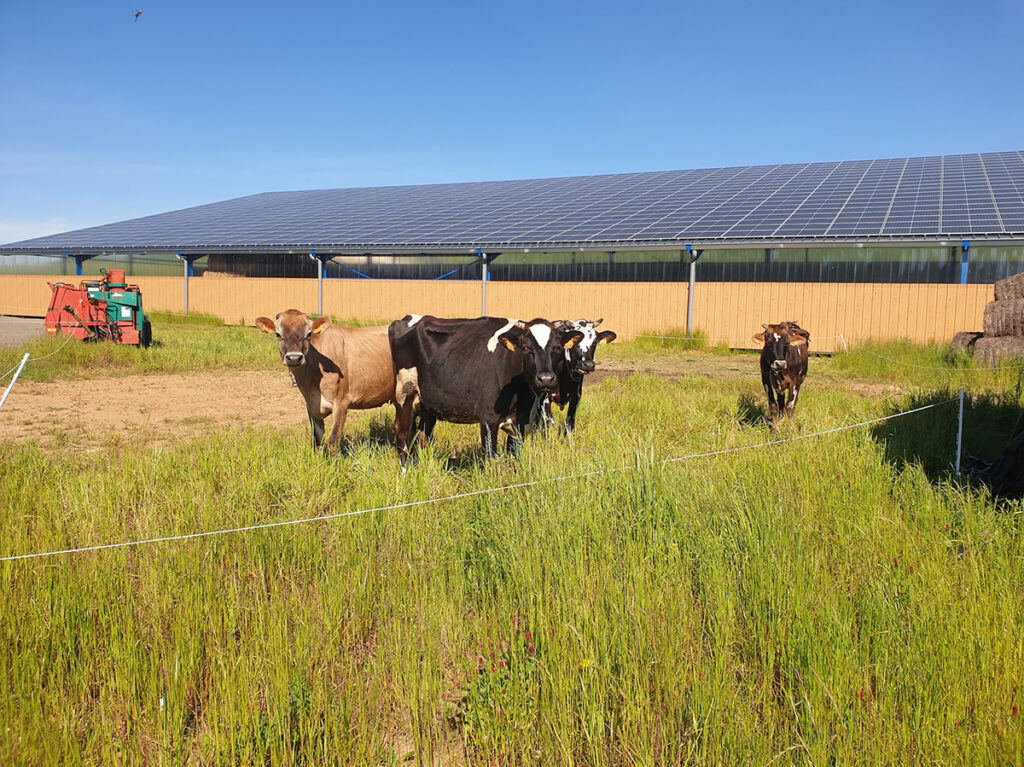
(320, 328)
(570, 343)
(509, 344)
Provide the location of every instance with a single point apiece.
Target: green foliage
(841, 599)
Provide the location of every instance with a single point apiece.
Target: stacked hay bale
(1004, 323)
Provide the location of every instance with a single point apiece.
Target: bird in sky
(137, 14)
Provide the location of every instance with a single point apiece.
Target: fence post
(11, 384)
(960, 431)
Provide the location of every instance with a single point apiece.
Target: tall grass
(815, 602)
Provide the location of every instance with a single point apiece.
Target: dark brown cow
(783, 365)
(337, 369)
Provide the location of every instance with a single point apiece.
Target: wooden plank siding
(728, 312)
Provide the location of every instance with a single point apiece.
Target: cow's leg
(338, 427)
(780, 407)
(317, 425)
(426, 430)
(570, 416)
(403, 423)
(793, 390)
(489, 438)
(773, 407)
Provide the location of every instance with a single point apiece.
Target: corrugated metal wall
(729, 312)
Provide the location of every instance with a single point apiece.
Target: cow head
(777, 340)
(540, 344)
(294, 331)
(579, 356)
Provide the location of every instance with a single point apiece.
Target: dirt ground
(169, 407)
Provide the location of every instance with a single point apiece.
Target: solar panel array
(978, 196)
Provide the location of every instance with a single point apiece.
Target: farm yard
(841, 598)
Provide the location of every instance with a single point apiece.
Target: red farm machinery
(107, 309)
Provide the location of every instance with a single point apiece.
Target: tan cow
(336, 368)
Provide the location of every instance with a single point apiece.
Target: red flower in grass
(1015, 709)
(911, 569)
(896, 561)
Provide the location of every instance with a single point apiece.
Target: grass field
(841, 599)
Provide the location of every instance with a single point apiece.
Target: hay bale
(1011, 287)
(1005, 318)
(991, 349)
(965, 339)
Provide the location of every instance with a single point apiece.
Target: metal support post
(694, 255)
(321, 267)
(188, 271)
(965, 252)
(483, 282)
(79, 260)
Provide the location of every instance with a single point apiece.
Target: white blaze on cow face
(414, 318)
(542, 333)
(492, 343)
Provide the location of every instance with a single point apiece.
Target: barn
(913, 243)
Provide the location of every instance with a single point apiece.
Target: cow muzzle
(587, 366)
(546, 380)
(294, 359)
(779, 365)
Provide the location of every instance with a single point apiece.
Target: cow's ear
(607, 336)
(763, 325)
(510, 340)
(321, 324)
(265, 324)
(572, 339)
(797, 340)
(559, 324)
(598, 322)
(759, 337)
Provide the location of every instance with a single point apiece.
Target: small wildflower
(896, 561)
(947, 527)
(527, 633)
(492, 667)
(862, 693)
(492, 651)
(552, 629)
(531, 648)
(911, 569)
(956, 724)
(1015, 709)
(501, 664)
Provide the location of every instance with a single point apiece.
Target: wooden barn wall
(728, 312)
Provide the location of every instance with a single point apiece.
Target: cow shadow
(752, 410)
(928, 438)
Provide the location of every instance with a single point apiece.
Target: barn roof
(973, 197)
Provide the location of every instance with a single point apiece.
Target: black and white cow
(572, 365)
(488, 370)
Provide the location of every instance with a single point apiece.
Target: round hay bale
(1005, 318)
(1010, 287)
(990, 351)
(965, 339)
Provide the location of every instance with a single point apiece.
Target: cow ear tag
(569, 344)
(511, 346)
(320, 325)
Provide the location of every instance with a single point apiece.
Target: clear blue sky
(105, 118)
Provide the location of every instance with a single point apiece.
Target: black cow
(783, 365)
(488, 370)
(572, 365)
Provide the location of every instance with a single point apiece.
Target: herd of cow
(502, 374)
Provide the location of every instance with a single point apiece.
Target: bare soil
(165, 408)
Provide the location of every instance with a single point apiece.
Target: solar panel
(955, 196)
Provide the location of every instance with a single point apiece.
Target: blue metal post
(965, 250)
